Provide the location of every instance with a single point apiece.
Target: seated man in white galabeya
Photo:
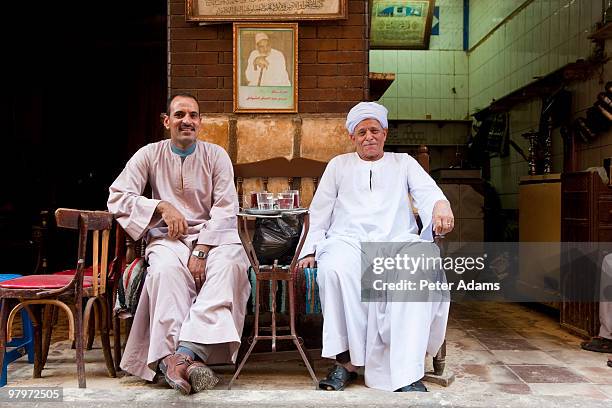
(364, 197)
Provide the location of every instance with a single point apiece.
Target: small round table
(273, 273)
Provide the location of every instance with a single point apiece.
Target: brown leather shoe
(174, 367)
(201, 377)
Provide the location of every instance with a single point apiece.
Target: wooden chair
(35, 291)
(275, 175)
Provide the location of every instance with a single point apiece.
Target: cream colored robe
(202, 188)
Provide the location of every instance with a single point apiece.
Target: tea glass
(296, 197)
(285, 200)
(265, 200)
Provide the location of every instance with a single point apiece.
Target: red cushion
(42, 282)
(86, 272)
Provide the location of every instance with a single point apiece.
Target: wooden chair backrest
(423, 157)
(292, 170)
(126, 250)
(100, 224)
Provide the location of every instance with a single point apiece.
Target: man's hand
(306, 262)
(442, 220)
(261, 62)
(176, 222)
(197, 267)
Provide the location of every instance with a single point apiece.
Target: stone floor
(501, 355)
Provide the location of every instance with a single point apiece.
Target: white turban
(366, 110)
(260, 36)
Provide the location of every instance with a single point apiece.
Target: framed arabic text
(401, 24)
(270, 10)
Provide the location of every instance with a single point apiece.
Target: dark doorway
(84, 91)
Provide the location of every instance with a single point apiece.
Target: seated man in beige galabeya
(193, 303)
(363, 198)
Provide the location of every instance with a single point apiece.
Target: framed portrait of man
(265, 67)
(401, 24)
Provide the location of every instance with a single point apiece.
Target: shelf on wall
(424, 143)
(439, 122)
(544, 86)
(379, 83)
(602, 33)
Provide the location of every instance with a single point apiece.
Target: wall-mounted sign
(268, 10)
(400, 24)
(265, 67)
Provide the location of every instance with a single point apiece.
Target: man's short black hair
(183, 94)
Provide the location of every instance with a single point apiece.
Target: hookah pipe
(551, 104)
(545, 142)
(532, 138)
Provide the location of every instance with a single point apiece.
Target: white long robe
(360, 201)
(202, 188)
(276, 73)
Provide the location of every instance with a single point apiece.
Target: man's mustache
(186, 127)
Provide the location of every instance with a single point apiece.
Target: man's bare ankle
(350, 367)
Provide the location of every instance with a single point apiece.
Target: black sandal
(337, 379)
(598, 344)
(415, 386)
(610, 362)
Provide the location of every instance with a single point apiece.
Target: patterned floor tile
(519, 389)
(547, 374)
(606, 389)
(573, 390)
(498, 374)
(477, 323)
(524, 357)
(466, 343)
(598, 375)
(551, 345)
(579, 357)
(453, 333)
(473, 357)
(506, 344)
(481, 340)
(501, 333)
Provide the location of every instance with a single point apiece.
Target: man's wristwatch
(199, 254)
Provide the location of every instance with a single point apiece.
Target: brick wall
(332, 61)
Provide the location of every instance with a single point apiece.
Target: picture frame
(265, 67)
(401, 24)
(265, 10)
